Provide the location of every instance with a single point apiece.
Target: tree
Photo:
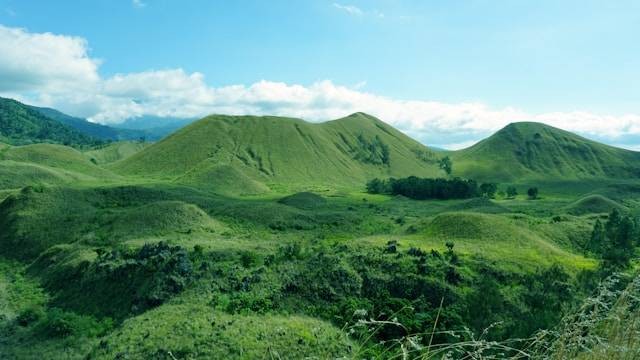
(533, 193)
(618, 238)
(489, 189)
(375, 186)
(512, 192)
(446, 164)
(597, 240)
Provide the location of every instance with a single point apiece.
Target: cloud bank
(57, 71)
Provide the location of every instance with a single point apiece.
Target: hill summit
(289, 151)
(529, 150)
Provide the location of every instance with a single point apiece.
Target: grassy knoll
(344, 152)
(536, 151)
(251, 237)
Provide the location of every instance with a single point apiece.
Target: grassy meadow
(251, 246)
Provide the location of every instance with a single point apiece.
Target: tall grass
(605, 326)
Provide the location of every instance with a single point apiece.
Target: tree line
(439, 188)
(614, 241)
(424, 188)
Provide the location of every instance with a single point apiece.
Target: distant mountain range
(37, 124)
(253, 154)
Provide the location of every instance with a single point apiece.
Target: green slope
(115, 151)
(285, 151)
(529, 150)
(20, 124)
(46, 164)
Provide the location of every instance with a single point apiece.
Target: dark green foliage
(373, 151)
(446, 165)
(598, 239)
(58, 323)
(614, 242)
(333, 278)
(489, 189)
(512, 192)
(424, 188)
(20, 124)
(95, 130)
(620, 238)
(120, 282)
(486, 304)
(532, 192)
(30, 315)
(378, 186)
(303, 200)
(549, 291)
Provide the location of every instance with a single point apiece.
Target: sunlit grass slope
(197, 332)
(115, 151)
(46, 164)
(286, 151)
(536, 151)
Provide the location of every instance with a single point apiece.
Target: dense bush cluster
(425, 188)
(614, 241)
(373, 151)
(122, 282)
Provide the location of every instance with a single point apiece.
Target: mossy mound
(303, 200)
(197, 332)
(222, 179)
(160, 218)
(481, 205)
(115, 152)
(593, 204)
(93, 217)
(469, 225)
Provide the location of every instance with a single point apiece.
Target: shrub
(29, 316)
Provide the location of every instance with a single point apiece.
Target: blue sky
(446, 72)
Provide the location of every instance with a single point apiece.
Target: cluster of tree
(373, 151)
(446, 165)
(425, 188)
(154, 273)
(614, 241)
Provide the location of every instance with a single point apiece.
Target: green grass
(282, 151)
(535, 151)
(115, 151)
(495, 238)
(593, 204)
(196, 331)
(268, 246)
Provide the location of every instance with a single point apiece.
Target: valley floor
(140, 270)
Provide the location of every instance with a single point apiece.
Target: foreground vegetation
(168, 251)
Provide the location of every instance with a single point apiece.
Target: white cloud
(351, 9)
(456, 146)
(356, 11)
(44, 61)
(57, 71)
(138, 3)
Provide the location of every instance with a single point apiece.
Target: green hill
(115, 151)
(593, 204)
(20, 124)
(46, 164)
(106, 132)
(287, 152)
(529, 150)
